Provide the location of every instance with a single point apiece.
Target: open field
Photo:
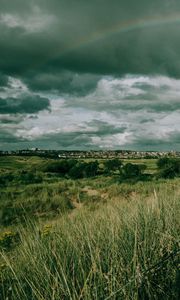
(150, 163)
(22, 162)
(89, 238)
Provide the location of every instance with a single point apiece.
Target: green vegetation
(133, 171)
(8, 239)
(169, 167)
(84, 234)
(112, 165)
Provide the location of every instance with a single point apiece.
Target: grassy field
(91, 238)
(21, 162)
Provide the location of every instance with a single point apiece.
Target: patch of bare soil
(90, 192)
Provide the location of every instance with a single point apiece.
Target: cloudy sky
(99, 74)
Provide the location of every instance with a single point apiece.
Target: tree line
(167, 168)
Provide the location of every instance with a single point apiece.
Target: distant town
(99, 154)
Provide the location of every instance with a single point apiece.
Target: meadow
(87, 238)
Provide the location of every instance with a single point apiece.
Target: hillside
(87, 238)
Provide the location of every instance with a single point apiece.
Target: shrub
(83, 170)
(6, 178)
(61, 167)
(168, 167)
(132, 171)
(163, 162)
(91, 169)
(112, 165)
(29, 177)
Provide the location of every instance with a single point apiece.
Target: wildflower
(8, 239)
(47, 229)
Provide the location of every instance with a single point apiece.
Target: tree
(82, 170)
(91, 169)
(132, 171)
(61, 167)
(112, 165)
(168, 167)
(163, 162)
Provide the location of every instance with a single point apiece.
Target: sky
(99, 74)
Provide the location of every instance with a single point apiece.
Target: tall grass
(125, 249)
(46, 200)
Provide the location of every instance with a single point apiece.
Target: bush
(112, 165)
(132, 171)
(6, 178)
(28, 177)
(168, 168)
(163, 162)
(22, 177)
(61, 167)
(83, 170)
(91, 169)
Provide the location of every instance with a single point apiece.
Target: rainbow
(118, 28)
(122, 27)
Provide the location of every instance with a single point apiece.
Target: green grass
(90, 238)
(100, 253)
(26, 162)
(150, 163)
(34, 201)
(21, 162)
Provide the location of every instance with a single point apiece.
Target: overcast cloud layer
(90, 74)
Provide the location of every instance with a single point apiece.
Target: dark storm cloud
(65, 82)
(101, 128)
(11, 120)
(8, 137)
(170, 142)
(147, 120)
(83, 137)
(71, 140)
(153, 106)
(64, 50)
(47, 141)
(9, 140)
(24, 104)
(80, 139)
(48, 36)
(3, 80)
